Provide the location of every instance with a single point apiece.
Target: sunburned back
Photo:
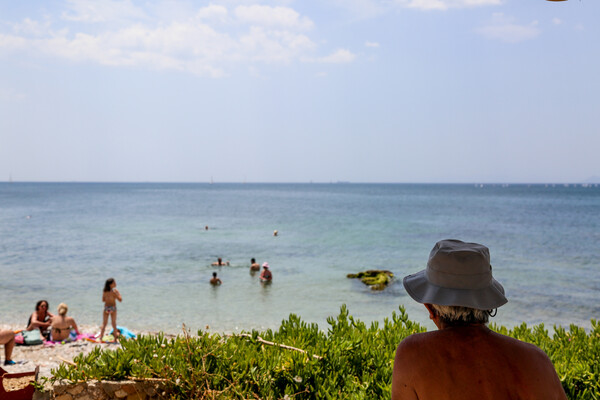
(473, 363)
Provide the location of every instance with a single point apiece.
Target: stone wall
(122, 390)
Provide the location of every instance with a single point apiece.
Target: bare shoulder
(532, 362)
(407, 369)
(417, 339)
(411, 347)
(520, 349)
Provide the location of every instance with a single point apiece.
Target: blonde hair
(454, 315)
(62, 309)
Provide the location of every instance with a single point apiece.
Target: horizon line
(309, 182)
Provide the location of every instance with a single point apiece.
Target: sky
(431, 91)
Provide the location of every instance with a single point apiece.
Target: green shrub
(348, 361)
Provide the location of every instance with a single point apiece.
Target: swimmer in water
(254, 266)
(220, 263)
(265, 275)
(214, 280)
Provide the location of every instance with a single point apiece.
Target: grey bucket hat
(457, 274)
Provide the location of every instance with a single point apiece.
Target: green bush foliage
(348, 361)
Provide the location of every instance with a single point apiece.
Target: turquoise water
(61, 241)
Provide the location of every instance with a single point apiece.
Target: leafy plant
(349, 360)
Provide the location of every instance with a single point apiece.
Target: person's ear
(432, 314)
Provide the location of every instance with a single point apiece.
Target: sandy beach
(49, 357)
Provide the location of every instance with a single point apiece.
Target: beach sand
(49, 357)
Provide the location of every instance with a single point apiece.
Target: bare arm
(36, 323)
(117, 294)
(402, 379)
(74, 325)
(548, 379)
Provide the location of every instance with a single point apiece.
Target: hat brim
(421, 290)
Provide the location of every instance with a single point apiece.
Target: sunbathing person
(40, 319)
(464, 359)
(63, 327)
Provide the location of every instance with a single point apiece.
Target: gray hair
(456, 315)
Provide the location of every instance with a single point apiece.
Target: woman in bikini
(40, 319)
(110, 295)
(63, 327)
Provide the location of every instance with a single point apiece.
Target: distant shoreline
(584, 183)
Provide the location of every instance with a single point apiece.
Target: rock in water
(377, 279)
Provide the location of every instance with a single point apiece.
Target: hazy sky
(299, 91)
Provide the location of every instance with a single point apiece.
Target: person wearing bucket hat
(464, 358)
(457, 274)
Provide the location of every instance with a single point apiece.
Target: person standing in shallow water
(265, 275)
(254, 266)
(110, 295)
(464, 359)
(214, 280)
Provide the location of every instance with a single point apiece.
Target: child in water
(110, 295)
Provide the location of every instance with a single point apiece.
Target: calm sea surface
(61, 241)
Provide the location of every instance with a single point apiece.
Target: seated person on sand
(63, 327)
(220, 263)
(7, 338)
(214, 280)
(40, 319)
(254, 266)
(265, 275)
(464, 359)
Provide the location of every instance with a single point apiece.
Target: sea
(61, 241)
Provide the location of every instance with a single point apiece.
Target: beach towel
(126, 333)
(19, 338)
(73, 337)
